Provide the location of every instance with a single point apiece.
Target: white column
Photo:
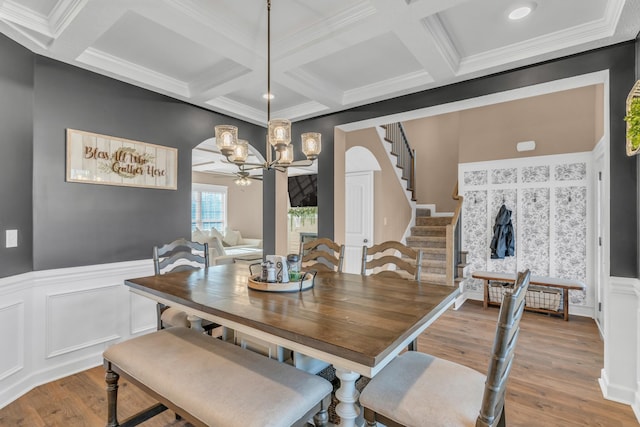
(348, 409)
(195, 322)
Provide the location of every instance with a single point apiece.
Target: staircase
(430, 236)
(442, 261)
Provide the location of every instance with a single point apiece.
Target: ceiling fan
(244, 177)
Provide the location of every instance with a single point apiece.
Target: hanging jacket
(503, 241)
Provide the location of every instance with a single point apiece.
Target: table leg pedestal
(348, 409)
(196, 322)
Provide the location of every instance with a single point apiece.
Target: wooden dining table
(356, 323)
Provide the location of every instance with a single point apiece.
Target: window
(208, 207)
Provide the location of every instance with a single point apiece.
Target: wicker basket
(543, 297)
(496, 291)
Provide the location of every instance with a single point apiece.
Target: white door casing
(599, 274)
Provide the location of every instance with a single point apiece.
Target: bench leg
(565, 303)
(321, 419)
(485, 302)
(112, 397)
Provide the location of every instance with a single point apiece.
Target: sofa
(227, 248)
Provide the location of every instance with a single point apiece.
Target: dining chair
(418, 389)
(322, 254)
(179, 255)
(384, 254)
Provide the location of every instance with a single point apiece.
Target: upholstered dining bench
(210, 382)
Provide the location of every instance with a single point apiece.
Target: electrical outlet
(11, 238)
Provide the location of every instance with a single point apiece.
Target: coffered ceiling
(327, 55)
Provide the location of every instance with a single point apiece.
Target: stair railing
(406, 156)
(453, 238)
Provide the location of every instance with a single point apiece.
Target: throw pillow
(215, 233)
(199, 236)
(232, 237)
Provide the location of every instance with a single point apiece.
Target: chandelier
(278, 139)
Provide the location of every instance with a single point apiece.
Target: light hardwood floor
(553, 382)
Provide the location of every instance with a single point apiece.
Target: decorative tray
(297, 286)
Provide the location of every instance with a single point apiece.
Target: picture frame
(107, 160)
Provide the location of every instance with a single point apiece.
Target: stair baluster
(405, 155)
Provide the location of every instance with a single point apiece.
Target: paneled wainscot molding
(64, 319)
(620, 379)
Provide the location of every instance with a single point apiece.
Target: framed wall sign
(100, 159)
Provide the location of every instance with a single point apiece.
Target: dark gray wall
(619, 59)
(16, 152)
(81, 224)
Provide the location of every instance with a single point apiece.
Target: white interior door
(358, 218)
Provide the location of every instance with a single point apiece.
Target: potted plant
(633, 122)
(302, 214)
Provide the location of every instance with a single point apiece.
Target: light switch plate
(11, 238)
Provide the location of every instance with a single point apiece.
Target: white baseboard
(615, 393)
(636, 404)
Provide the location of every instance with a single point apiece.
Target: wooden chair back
(507, 331)
(180, 255)
(380, 257)
(322, 254)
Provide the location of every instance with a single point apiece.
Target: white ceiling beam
(194, 25)
(90, 21)
(426, 50)
(310, 86)
(229, 86)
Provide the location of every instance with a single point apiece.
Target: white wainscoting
(55, 323)
(620, 376)
(12, 327)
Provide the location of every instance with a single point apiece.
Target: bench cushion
(454, 392)
(218, 382)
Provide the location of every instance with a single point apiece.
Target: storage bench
(210, 382)
(545, 294)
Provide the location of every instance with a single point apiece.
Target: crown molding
(549, 43)
(13, 12)
(63, 14)
(405, 82)
(142, 76)
(237, 109)
(446, 47)
(346, 18)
